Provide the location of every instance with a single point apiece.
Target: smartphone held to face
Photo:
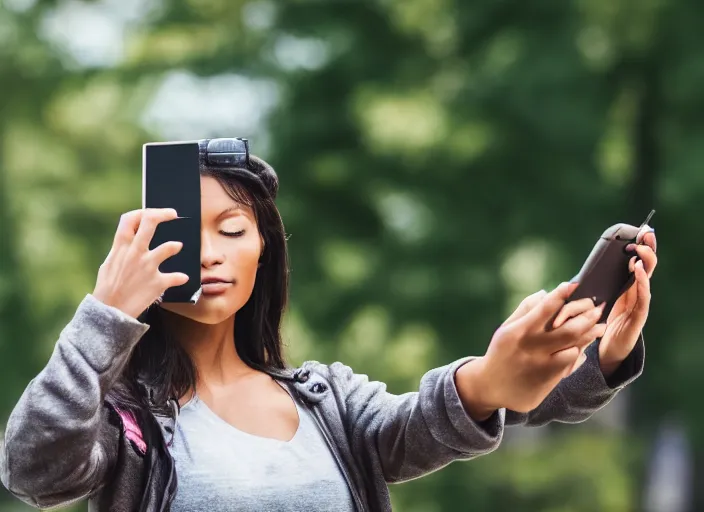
(171, 179)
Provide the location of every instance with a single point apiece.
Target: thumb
(526, 305)
(539, 316)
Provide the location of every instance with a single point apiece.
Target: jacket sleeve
(416, 433)
(577, 397)
(56, 445)
(410, 435)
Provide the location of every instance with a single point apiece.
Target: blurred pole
(670, 473)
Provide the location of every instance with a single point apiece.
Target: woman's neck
(212, 350)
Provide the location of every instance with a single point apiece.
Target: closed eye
(235, 234)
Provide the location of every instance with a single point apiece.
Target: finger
(590, 336)
(165, 251)
(150, 220)
(646, 235)
(127, 227)
(632, 264)
(648, 257)
(526, 305)
(174, 279)
(572, 309)
(595, 333)
(572, 333)
(643, 286)
(539, 316)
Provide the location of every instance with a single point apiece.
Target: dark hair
(161, 364)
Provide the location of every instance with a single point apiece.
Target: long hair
(161, 364)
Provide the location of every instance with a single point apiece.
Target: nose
(209, 253)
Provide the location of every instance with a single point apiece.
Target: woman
(151, 406)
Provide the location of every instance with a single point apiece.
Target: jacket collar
(309, 385)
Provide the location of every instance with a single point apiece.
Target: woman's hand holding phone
(630, 312)
(129, 279)
(527, 356)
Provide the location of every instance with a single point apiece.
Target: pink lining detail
(132, 430)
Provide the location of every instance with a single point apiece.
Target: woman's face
(230, 249)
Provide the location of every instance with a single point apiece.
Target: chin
(209, 310)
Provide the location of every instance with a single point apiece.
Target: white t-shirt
(220, 468)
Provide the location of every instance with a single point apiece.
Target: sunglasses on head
(228, 152)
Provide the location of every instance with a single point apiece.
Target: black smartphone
(605, 276)
(171, 179)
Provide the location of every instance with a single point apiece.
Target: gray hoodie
(65, 442)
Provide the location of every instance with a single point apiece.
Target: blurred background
(439, 160)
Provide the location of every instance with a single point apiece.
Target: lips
(209, 280)
(215, 286)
